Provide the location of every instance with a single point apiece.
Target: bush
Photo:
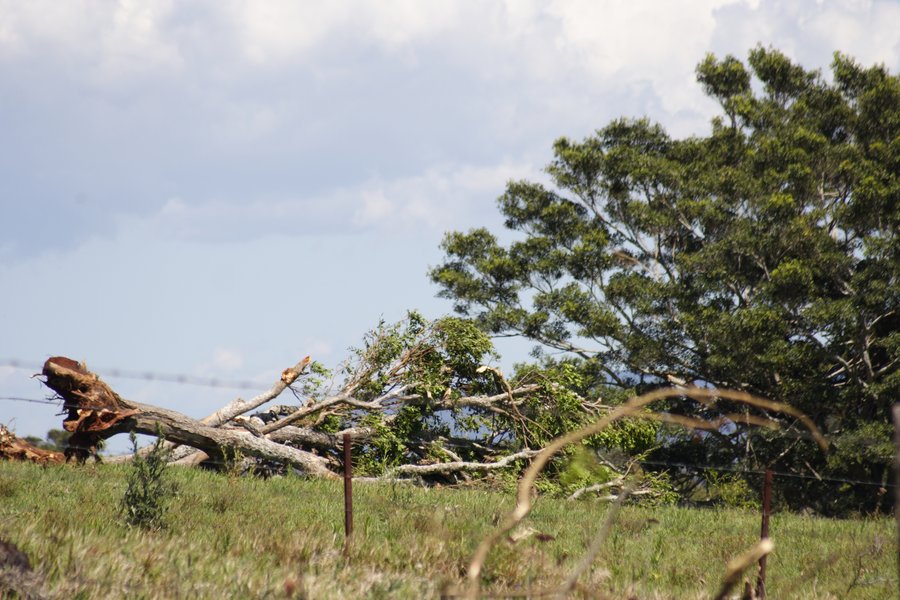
(148, 492)
(731, 490)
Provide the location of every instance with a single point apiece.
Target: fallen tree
(96, 412)
(417, 400)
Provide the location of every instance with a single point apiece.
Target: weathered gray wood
(452, 467)
(239, 406)
(96, 412)
(181, 429)
(233, 409)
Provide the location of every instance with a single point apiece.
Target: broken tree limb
(15, 448)
(320, 440)
(96, 412)
(323, 404)
(317, 439)
(239, 406)
(197, 458)
(487, 402)
(452, 467)
(295, 435)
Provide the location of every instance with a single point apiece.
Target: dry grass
(233, 537)
(634, 407)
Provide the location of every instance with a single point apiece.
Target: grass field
(230, 537)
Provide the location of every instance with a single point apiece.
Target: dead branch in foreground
(741, 563)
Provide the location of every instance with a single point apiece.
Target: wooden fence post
(764, 532)
(896, 411)
(348, 493)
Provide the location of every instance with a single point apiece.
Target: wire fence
(652, 463)
(177, 378)
(185, 379)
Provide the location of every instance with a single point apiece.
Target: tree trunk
(96, 412)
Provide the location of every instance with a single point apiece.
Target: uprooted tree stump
(96, 412)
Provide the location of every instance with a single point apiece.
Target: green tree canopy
(763, 256)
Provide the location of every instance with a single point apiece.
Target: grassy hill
(231, 537)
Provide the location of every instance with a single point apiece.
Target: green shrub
(731, 490)
(148, 491)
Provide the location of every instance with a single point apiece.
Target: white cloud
(375, 207)
(867, 30)
(283, 116)
(441, 198)
(109, 42)
(8, 372)
(276, 32)
(630, 40)
(317, 349)
(809, 32)
(280, 30)
(225, 359)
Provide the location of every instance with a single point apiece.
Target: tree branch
(452, 467)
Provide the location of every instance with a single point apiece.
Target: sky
(219, 188)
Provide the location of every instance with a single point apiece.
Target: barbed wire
(216, 383)
(655, 463)
(34, 400)
(780, 433)
(177, 378)
(732, 469)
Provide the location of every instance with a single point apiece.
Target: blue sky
(219, 188)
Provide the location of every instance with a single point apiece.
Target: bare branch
(317, 439)
(452, 467)
(239, 407)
